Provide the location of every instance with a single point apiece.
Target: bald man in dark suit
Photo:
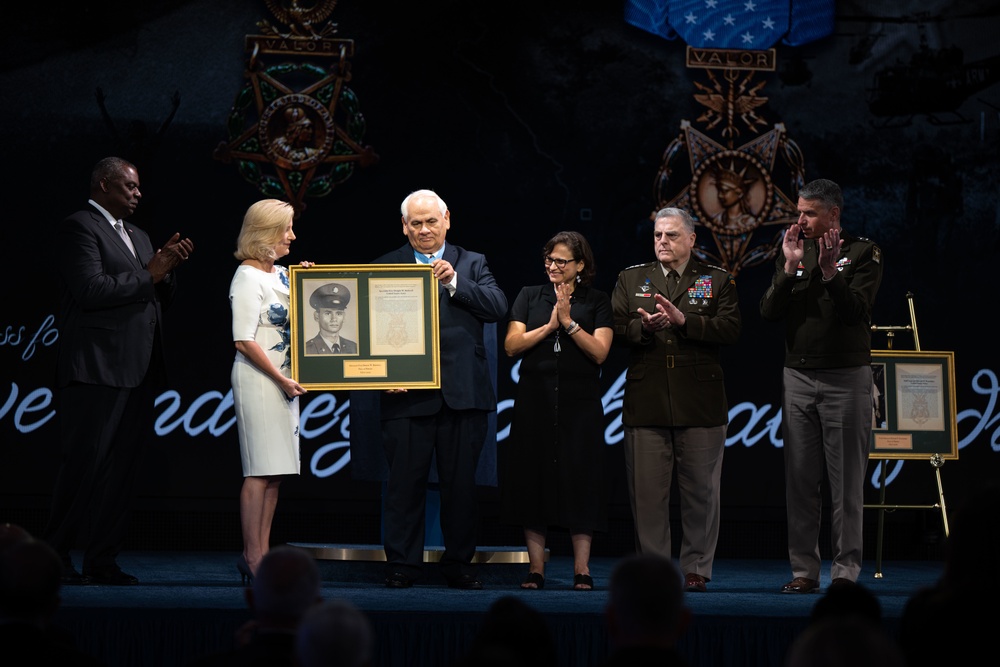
(110, 368)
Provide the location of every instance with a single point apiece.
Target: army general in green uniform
(674, 315)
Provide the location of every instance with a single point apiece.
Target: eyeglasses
(560, 263)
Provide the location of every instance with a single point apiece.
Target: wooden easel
(936, 460)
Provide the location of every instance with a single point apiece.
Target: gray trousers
(826, 423)
(652, 454)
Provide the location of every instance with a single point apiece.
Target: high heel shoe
(244, 569)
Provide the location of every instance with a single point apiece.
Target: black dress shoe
(70, 577)
(465, 582)
(111, 576)
(841, 582)
(695, 583)
(398, 580)
(800, 585)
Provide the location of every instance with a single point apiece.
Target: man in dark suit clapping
(110, 367)
(450, 423)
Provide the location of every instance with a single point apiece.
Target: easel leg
(881, 519)
(937, 462)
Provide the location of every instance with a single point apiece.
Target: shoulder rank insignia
(637, 266)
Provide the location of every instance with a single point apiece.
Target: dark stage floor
(191, 603)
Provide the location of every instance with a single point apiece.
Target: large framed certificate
(372, 326)
(913, 405)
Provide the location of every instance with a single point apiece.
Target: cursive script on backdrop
(324, 416)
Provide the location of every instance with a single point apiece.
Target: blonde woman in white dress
(265, 396)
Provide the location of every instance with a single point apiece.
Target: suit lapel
(112, 235)
(450, 254)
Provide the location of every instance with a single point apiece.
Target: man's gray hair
(670, 212)
(419, 194)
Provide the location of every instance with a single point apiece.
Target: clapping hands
(167, 258)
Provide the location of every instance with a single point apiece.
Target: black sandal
(535, 578)
(583, 582)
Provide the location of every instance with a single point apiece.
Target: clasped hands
(561, 311)
(665, 316)
(167, 258)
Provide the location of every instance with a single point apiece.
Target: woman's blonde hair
(264, 225)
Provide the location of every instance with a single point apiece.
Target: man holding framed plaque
(448, 424)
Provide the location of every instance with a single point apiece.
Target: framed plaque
(373, 326)
(913, 405)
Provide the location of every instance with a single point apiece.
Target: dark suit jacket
(466, 382)
(475, 284)
(110, 310)
(674, 377)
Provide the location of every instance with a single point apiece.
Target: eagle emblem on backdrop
(735, 170)
(296, 129)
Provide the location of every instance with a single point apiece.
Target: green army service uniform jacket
(827, 323)
(674, 376)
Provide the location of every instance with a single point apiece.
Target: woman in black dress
(552, 468)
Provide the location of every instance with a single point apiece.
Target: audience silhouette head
(646, 614)
(851, 599)
(849, 640)
(335, 633)
(30, 572)
(646, 601)
(512, 633)
(946, 623)
(30, 580)
(286, 585)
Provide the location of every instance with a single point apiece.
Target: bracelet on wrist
(572, 328)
